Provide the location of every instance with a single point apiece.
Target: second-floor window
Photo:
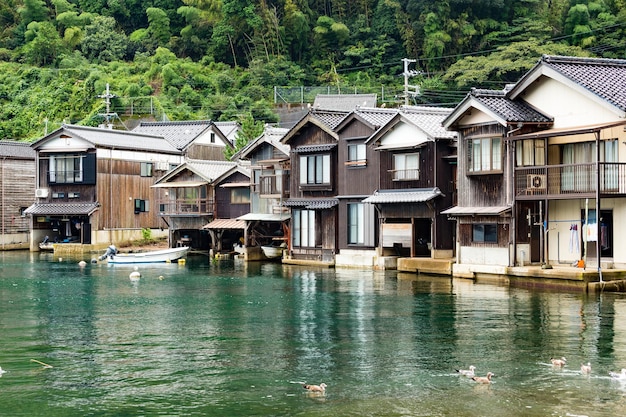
(406, 166)
(530, 152)
(356, 155)
(315, 169)
(66, 169)
(240, 196)
(146, 169)
(484, 155)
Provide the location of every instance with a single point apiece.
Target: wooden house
(416, 172)
(197, 193)
(268, 220)
(358, 177)
(17, 193)
(540, 163)
(314, 186)
(93, 185)
(196, 139)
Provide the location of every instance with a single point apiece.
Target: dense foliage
(220, 59)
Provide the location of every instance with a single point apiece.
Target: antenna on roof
(107, 96)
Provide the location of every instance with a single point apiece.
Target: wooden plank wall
(17, 191)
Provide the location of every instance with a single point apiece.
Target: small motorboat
(274, 251)
(164, 255)
(46, 245)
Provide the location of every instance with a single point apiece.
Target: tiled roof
(120, 139)
(604, 77)
(429, 119)
(345, 102)
(225, 224)
(210, 169)
(470, 211)
(16, 150)
(271, 135)
(62, 209)
(376, 116)
(509, 110)
(179, 134)
(228, 129)
(329, 118)
(311, 203)
(419, 195)
(322, 147)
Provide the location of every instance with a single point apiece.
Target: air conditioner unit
(536, 181)
(41, 192)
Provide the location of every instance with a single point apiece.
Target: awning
(569, 131)
(62, 209)
(312, 203)
(236, 185)
(225, 224)
(263, 217)
(478, 211)
(180, 184)
(315, 148)
(403, 196)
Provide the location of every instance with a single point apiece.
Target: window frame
(60, 176)
(484, 236)
(400, 174)
(146, 169)
(238, 195)
(356, 223)
(305, 229)
(476, 155)
(142, 206)
(356, 155)
(317, 173)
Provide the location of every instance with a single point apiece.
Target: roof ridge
(553, 59)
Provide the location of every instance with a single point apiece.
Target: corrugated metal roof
(479, 211)
(62, 209)
(403, 196)
(225, 224)
(311, 203)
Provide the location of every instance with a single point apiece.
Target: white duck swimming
(2, 371)
(467, 372)
(619, 375)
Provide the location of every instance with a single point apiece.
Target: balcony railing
(186, 206)
(405, 174)
(554, 180)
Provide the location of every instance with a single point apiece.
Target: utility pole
(107, 96)
(409, 73)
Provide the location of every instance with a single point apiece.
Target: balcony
(405, 174)
(570, 181)
(186, 207)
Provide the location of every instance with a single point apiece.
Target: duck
(483, 379)
(315, 388)
(2, 371)
(467, 372)
(618, 375)
(585, 368)
(558, 362)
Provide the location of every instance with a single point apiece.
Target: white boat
(272, 251)
(46, 246)
(163, 255)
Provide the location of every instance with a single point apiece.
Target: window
(315, 169)
(146, 169)
(240, 196)
(304, 228)
(141, 206)
(487, 233)
(484, 155)
(356, 224)
(406, 167)
(531, 152)
(356, 155)
(66, 169)
(212, 137)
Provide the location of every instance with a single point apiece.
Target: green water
(230, 339)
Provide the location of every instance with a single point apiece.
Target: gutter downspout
(598, 228)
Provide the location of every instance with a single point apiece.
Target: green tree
(250, 130)
(103, 41)
(43, 45)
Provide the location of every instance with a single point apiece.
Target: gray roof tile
(603, 77)
(419, 195)
(16, 150)
(62, 209)
(429, 119)
(510, 110)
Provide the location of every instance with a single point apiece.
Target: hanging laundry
(591, 232)
(573, 239)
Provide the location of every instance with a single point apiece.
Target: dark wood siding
(225, 209)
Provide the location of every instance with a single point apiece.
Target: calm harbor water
(230, 339)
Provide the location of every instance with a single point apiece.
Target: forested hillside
(220, 59)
